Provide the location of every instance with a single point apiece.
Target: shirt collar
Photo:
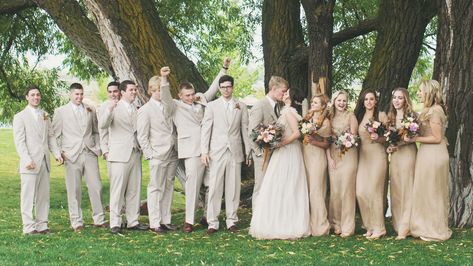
(271, 101)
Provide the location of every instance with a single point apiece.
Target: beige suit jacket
(33, 140)
(220, 132)
(188, 119)
(156, 134)
(72, 137)
(103, 132)
(122, 132)
(261, 112)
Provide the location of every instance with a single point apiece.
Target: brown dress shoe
(169, 227)
(158, 230)
(187, 227)
(203, 221)
(44, 232)
(78, 229)
(233, 229)
(211, 231)
(104, 225)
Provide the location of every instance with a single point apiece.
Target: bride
(282, 207)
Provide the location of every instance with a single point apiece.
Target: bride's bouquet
(346, 141)
(409, 126)
(267, 136)
(307, 129)
(375, 127)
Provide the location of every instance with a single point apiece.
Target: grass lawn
(97, 246)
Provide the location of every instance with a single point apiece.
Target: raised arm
(213, 89)
(105, 119)
(165, 92)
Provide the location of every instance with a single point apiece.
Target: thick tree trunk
(319, 15)
(453, 68)
(400, 34)
(139, 43)
(283, 44)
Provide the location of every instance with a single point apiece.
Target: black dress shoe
(169, 227)
(159, 230)
(141, 227)
(203, 221)
(116, 230)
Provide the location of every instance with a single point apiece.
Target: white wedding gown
(281, 210)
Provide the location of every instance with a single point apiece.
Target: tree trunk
(401, 30)
(319, 15)
(453, 68)
(139, 43)
(283, 44)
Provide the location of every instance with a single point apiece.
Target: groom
(265, 111)
(224, 132)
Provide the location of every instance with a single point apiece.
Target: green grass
(98, 246)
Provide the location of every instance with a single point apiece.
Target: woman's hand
(374, 136)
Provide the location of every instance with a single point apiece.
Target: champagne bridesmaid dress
(401, 175)
(342, 180)
(315, 161)
(430, 202)
(370, 178)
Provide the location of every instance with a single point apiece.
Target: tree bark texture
(319, 15)
(283, 44)
(139, 44)
(453, 69)
(401, 30)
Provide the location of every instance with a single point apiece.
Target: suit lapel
(270, 109)
(73, 114)
(167, 122)
(36, 124)
(233, 113)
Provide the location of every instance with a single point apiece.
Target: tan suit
(157, 138)
(188, 121)
(76, 129)
(33, 139)
(261, 112)
(124, 157)
(224, 132)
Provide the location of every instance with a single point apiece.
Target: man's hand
(226, 62)
(60, 160)
(165, 71)
(248, 162)
(112, 104)
(30, 166)
(105, 156)
(204, 158)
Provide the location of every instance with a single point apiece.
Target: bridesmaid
(401, 166)
(342, 169)
(372, 167)
(315, 161)
(430, 203)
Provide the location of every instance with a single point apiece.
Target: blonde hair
(278, 82)
(432, 93)
(332, 109)
(407, 107)
(154, 84)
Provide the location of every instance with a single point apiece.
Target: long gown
(315, 161)
(401, 176)
(282, 207)
(342, 180)
(430, 204)
(370, 178)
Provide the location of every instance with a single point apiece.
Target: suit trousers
(224, 172)
(125, 186)
(196, 175)
(85, 166)
(35, 194)
(160, 191)
(259, 174)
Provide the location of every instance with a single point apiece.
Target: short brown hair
(30, 88)
(186, 85)
(278, 82)
(76, 86)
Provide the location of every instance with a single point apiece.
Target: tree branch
(9, 85)
(14, 6)
(364, 27)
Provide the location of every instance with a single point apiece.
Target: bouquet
(409, 127)
(307, 129)
(375, 127)
(392, 137)
(345, 141)
(267, 136)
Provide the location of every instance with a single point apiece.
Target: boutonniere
(237, 106)
(45, 116)
(88, 109)
(197, 98)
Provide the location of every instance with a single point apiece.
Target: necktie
(276, 109)
(227, 111)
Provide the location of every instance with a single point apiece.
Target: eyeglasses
(226, 87)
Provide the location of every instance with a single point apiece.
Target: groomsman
(34, 139)
(75, 127)
(113, 94)
(188, 114)
(224, 132)
(265, 111)
(157, 138)
(124, 156)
